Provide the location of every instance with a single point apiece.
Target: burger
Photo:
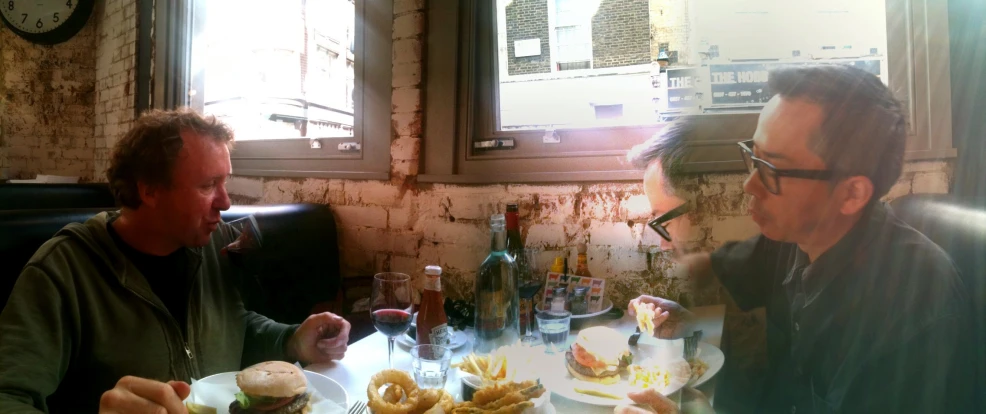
(598, 355)
(272, 387)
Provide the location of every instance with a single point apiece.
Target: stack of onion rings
(392, 376)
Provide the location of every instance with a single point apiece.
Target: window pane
(589, 63)
(279, 72)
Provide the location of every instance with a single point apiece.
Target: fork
(691, 345)
(358, 408)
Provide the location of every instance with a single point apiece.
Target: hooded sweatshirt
(81, 316)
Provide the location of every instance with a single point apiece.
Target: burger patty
(584, 370)
(293, 408)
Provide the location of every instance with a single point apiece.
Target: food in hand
(194, 408)
(272, 387)
(598, 355)
(597, 393)
(649, 375)
(645, 317)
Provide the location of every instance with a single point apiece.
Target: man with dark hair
(120, 313)
(864, 313)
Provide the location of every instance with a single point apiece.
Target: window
(304, 84)
(546, 90)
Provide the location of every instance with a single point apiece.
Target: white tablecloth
(369, 355)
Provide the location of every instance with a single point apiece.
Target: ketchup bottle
(432, 323)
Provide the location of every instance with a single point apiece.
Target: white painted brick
(611, 234)
(546, 235)
(405, 148)
(637, 207)
(406, 243)
(407, 123)
(407, 51)
(441, 231)
(376, 240)
(543, 190)
(902, 188)
(406, 74)
(405, 264)
(408, 25)
(930, 183)
(246, 187)
(925, 166)
(406, 100)
(361, 216)
(399, 218)
(453, 257)
(733, 228)
(378, 193)
(623, 260)
(404, 6)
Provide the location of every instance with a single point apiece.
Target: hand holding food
(670, 320)
(272, 387)
(141, 395)
(647, 401)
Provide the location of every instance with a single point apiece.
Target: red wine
(530, 288)
(391, 322)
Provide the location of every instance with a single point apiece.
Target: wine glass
(390, 307)
(529, 282)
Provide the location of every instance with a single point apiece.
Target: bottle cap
(512, 208)
(433, 270)
(497, 220)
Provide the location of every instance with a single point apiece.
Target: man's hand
(671, 320)
(320, 338)
(141, 395)
(647, 401)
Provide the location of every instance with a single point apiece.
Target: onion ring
(392, 376)
(393, 394)
(445, 404)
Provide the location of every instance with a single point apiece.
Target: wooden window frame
(279, 157)
(460, 100)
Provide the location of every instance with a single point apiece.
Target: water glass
(430, 364)
(554, 327)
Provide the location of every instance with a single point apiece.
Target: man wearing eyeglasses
(864, 313)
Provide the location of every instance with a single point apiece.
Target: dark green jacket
(81, 316)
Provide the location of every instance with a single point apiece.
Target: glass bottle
(497, 298)
(432, 326)
(582, 265)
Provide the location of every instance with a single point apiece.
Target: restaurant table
(369, 355)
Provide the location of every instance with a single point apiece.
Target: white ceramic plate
(221, 391)
(562, 383)
(607, 305)
(713, 357)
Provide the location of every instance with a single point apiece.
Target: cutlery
(358, 408)
(634, 337)
(691, 345)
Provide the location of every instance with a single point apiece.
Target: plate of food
(706, 364)
(600, 368)
(268, 387)
(394, 391)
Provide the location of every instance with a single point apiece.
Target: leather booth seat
(43, 196)
(295, 271)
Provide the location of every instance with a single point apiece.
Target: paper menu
(597, 287)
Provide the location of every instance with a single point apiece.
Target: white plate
(607, 305)
(223, 387)
(713, 357)
(456, 339)
(563, 384)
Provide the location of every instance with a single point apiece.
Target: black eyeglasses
(660, 224)
(770, 175)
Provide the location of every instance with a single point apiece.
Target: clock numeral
(39, 24)
(55, 19)
(24, 19)
(69, 3)
(10, 5)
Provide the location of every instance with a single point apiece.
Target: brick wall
(528, 19)
(669, 25)
(621, 34)
(46, 96)
(402, 225)
(64, 105)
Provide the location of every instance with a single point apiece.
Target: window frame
(294, 157)
(460, 100)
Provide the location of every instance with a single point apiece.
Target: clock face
(37, 16)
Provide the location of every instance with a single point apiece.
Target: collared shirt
(875, 324)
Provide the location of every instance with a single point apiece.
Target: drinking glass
(529, 282)
(430, 364)
(249, 238)
(554, 327)
(390, 307)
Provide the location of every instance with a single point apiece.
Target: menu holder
(597, 287)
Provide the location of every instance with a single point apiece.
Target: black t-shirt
(167, 276)
(875, 324)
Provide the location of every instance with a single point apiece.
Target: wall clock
(46, 22)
